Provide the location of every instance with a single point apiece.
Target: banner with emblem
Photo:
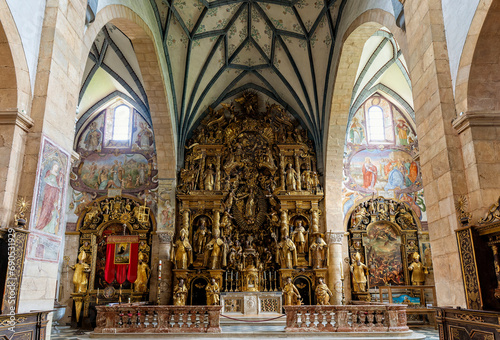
(121, 258)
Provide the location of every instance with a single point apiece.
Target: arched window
(376, 128)
(121, 123)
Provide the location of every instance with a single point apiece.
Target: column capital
(469, 119)
(16, 117)
(334, 237)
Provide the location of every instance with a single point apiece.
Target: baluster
(175, 316)
(120, 320)
(138, 319)
(193, 318)
(185, 318)
(312, 318)
(146, 320)
(362, 318)
(129, 320)
(320, 318)
(370, 317)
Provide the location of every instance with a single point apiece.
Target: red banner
(121, 258)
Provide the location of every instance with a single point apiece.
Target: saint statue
(209, 178)
(200, 236)
(291, 295)
(182, 253)
(215, 252)
(213, 293)
(323, 293)
(80, 279)
(318, 253)
(143, 271)
(287, 253)
(291, 178)
(418, 270)
(359, 272)
(299, 237)
(180, 293)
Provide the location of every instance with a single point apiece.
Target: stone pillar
(14, 126)
(335, 265)
(441, 160)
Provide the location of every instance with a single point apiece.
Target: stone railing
(127, 318)
(349, 318)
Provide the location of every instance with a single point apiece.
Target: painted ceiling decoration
(281, 48)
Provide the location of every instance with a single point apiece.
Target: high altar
(249, 208)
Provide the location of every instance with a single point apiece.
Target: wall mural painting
(43, 248)
(383, 248)
(383, 163)
(166, 210)
(50, 189)
(91, 139)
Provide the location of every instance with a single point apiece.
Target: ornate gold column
(282, 171)
(216, 226)
(335, 265)
(217, 173)
(185, 218)
(297, 169)
(284, 222)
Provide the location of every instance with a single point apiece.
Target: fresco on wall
(124, 167)
(43, 248)
(382, 166)
(50, 189)
(166, 211)
(383, 247)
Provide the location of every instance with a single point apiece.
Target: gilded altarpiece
(386, 234)
(106, 216)
(249, 202)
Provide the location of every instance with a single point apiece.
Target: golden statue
(80, 279)
(359, 272)
(291, 178)
(209, 178)
(182, 253)
(287, 253)
(299, 237)
(307, 180)
(418, 270)
(180, 293)
(200, 236)
(143, 272)
(291, 295)
(323, 293)
(215, 252)
(318, 253)
(213, 293)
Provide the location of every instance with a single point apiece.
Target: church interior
(196, 168)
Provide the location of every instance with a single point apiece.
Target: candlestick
(97, 297)
(236, 290)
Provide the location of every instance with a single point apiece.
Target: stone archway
(150, 59)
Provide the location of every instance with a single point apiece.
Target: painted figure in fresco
(299, 237)
(213, 293)
(369, 174)
(418, 270)
(92, 140)
(359, 273)
(144, 137)
(80, 279)
(287, 253)
(318, 253)
(291, 295)
(396, 178)
(323, 293)
(143, 271)
(291, 178)
(356, 133)
(182, 253)
(48, 219)
(403, 132)
(200, 236)
(180, 293)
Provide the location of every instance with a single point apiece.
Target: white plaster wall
(457, 15)
(28, 16)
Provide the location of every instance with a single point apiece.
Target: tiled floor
(67, 333)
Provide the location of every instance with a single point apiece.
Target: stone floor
(253, 331)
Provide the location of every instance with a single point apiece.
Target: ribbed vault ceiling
(281, 48)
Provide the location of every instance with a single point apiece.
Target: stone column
(335, 265)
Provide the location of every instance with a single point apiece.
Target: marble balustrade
(127, 318)
(348, 318)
